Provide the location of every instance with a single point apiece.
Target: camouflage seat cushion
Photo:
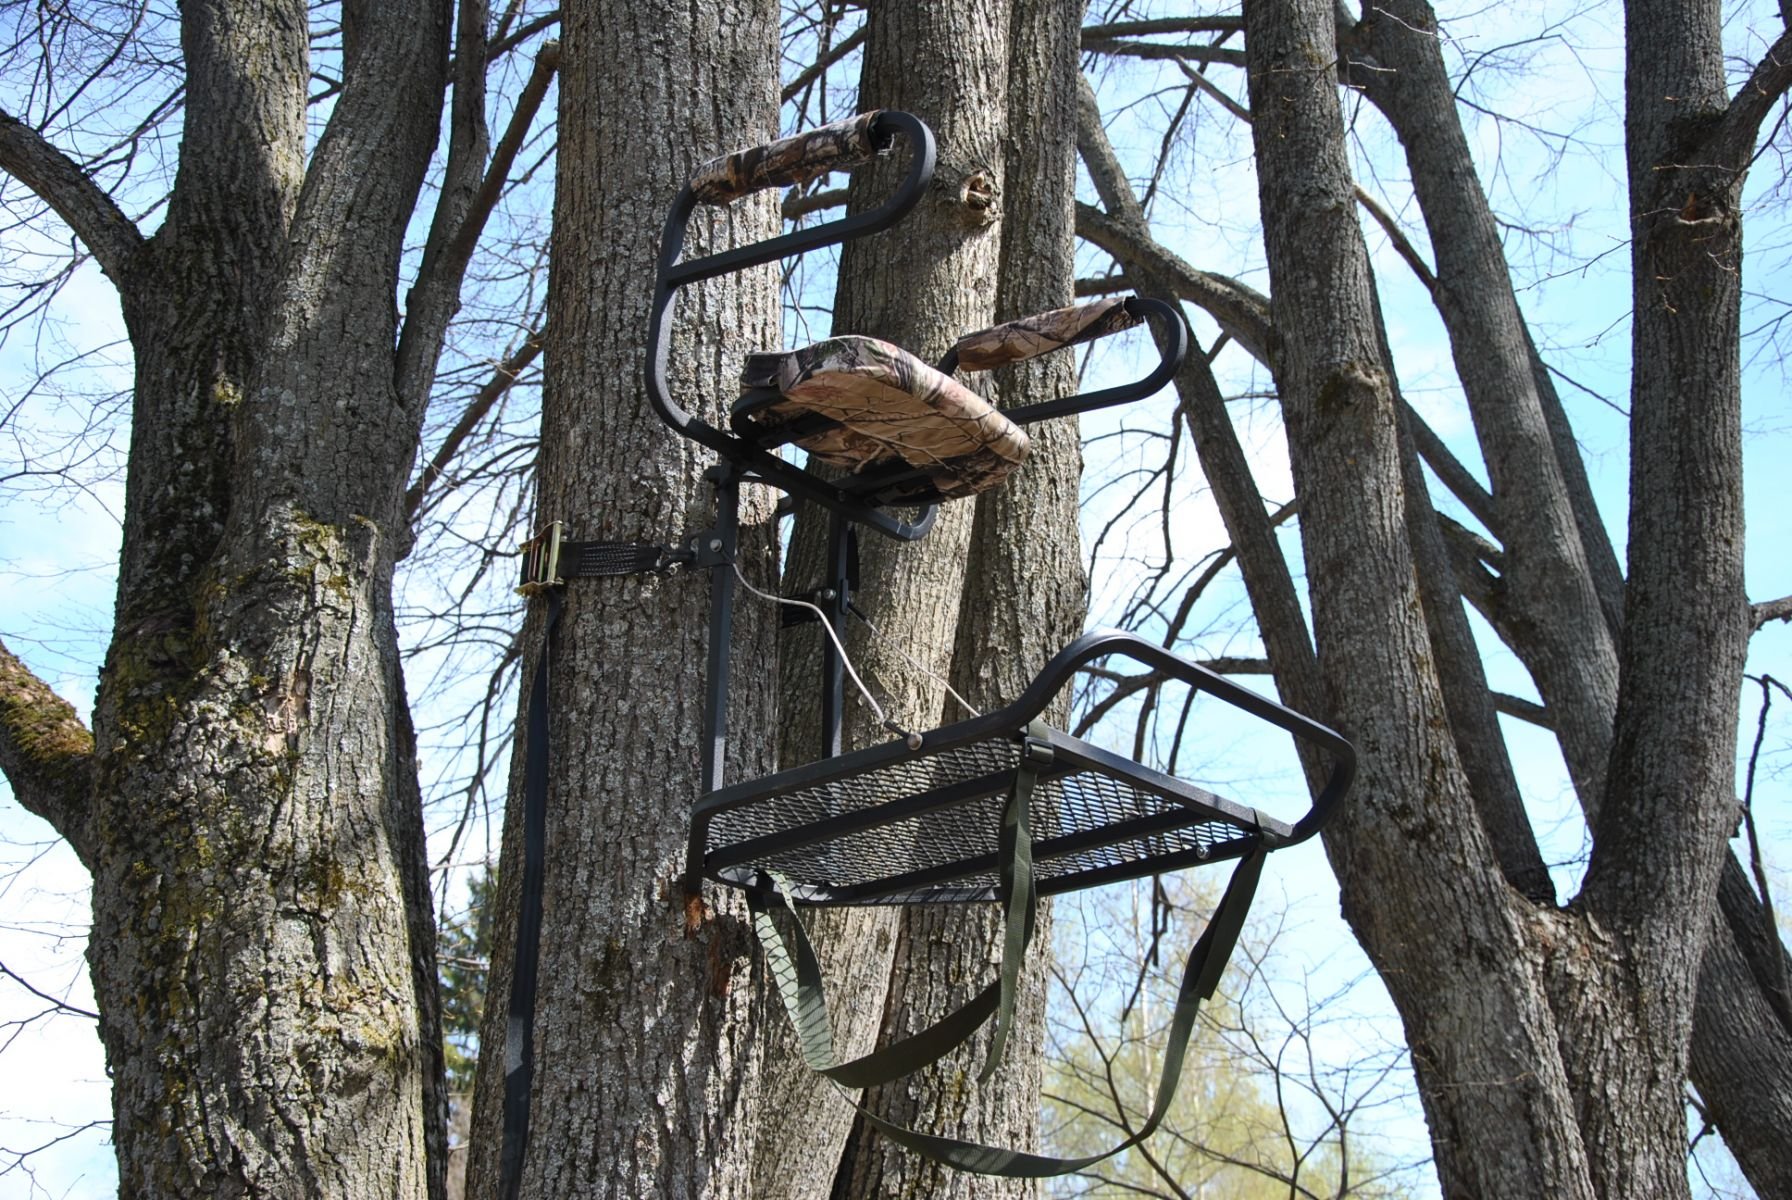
(886, 406)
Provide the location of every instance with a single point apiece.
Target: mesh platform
(889, 825)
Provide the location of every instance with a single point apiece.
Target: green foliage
(1253, 1118)
(464, 951)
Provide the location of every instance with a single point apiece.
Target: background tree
(1592, 1001)
(1264, 1110)
(1568, 570)
(262, 947)
(958, 264)
(247, 804)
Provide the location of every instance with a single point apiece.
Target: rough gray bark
(1669, 803)
(262, 946)
(1600, 995)
(1024, 598)
(646, 1030)
(921, 285)
(1551, 602)
(1429, 932)
(1740, 1061)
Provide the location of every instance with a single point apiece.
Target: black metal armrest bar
(1042, 333)
(884, 127)
(1173, 341)
(799, 158)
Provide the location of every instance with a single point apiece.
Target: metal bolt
(715, 545)
(826, 594)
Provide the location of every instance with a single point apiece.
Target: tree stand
(1000, 807)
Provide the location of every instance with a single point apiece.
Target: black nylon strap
(519, 1030)
(590, 560)
(548, 561)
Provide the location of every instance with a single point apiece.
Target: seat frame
(1143, 820)
(854, 501)
(847, 498)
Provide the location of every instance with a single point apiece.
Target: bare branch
(509, 145)
(1119, 29)
(61, 1006)
(813, 72)
(1220, 560)
(1105, 285)
(1267, 580)
(45, 752)
(1157, 50)
(1770, 610)
(796, 205)
(107, 233)
(1226, 665)
(1732, 144)
(1462, 484)
(505, 43)
(1240, 309)
(503, 376)
(1524, 710)
(1200, 80)
(1402, 244)
(1475, 561)
(1769, 922)
(456, 229)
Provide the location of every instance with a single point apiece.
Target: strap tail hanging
(519, 1049)
(548, 562)
(1020, 898)
(799, 985)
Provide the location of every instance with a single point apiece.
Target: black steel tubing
(1172, 349)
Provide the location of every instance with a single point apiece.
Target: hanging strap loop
(519, 1029)
(805, 1002)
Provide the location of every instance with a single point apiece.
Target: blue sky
(56, 546)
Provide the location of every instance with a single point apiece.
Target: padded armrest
(792, 160)
(1029, 337)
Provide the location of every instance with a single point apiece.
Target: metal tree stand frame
(1000, 807)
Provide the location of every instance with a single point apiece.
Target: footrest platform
(894, 825)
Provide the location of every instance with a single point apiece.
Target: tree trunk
(1551, 604)
(921, 286)
(1669, 801)
(262, 946)
(1447, 942)
(646, 1030)
(1024, 598)
(1600, 996)
(1742, 1058)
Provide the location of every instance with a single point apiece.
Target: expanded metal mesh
(1087, 811)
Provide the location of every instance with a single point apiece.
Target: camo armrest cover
(888, 405)
(1042, 333)
(795, 159)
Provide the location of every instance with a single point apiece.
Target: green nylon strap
(805, 1000)
(804, 994)
(1200, 977)
(1020, 899)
